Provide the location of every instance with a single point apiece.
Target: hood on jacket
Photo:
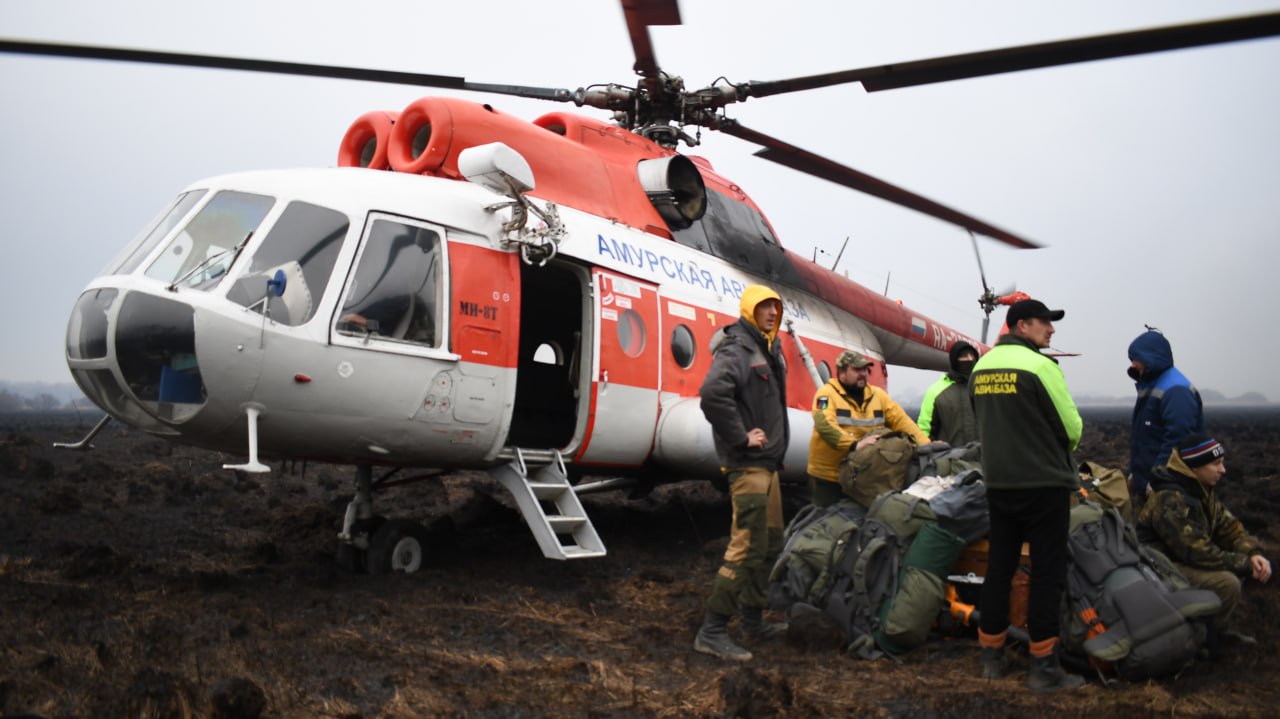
(958, 348)
(752, 296)
(1153, 351)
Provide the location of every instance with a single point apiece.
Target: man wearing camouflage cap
(845, 410)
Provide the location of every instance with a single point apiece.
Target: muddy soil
(142, 580)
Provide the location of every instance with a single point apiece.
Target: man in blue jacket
(1168, 409)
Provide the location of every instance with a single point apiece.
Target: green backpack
(885, 466)
(802, 572)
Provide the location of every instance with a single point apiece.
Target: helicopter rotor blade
(218, 62)
(1028, 57)
(986, 323)
(789, 155)
(640, 14)
(982, 273)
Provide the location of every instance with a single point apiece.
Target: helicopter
(552, 344)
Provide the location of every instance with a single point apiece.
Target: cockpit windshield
(156, 231)
(292, 265)
(200, 255)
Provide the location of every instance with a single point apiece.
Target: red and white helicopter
(472, 290)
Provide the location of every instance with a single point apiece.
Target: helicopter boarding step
(550, 506)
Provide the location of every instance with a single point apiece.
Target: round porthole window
(683, 346)
(631, 333)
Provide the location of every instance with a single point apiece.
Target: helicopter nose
(133, 354)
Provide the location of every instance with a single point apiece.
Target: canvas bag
(906, 618)
(1108, 487)
(868, 472)
(962, 509)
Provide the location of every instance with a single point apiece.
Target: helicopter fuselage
(376, 317)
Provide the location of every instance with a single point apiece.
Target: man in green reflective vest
(1029, 426)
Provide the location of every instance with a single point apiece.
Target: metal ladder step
(550, 506)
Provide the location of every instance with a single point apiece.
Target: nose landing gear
(374, 544)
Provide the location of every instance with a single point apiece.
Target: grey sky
(1154, 181)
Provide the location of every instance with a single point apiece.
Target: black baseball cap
(1029, 309)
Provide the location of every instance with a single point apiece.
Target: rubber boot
(1047, 675)
(713, 638)
(756, 629)
(992, 663)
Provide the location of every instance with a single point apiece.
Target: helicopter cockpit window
(200, 255)
(736, 233)
(156, 231)
(394, 293)
(300, 249)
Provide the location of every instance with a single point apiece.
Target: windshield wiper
(206, 262)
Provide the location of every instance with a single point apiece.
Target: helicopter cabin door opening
(548, 376)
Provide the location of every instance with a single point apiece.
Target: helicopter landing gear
(372, 543)
(353, 555)
(399, 545)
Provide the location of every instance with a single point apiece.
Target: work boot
(1047, 675)
(756, 629)
(992, 662)
(713, 638)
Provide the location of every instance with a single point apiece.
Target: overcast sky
(1154, 181)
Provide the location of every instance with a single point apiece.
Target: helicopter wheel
(399, 545)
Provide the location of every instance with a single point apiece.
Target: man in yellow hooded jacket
(744, 398)
(845, 410)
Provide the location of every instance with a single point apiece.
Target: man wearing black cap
(946, 413)
(1185, 520)
(1028, 426)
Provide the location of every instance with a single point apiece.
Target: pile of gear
(900, 555)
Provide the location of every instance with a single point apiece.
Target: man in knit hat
(946, 413)
(1186, 521)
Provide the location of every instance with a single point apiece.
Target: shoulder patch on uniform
(823, 402)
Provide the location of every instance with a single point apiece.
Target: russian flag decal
(917, 326)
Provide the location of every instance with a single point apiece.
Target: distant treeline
(11, 401)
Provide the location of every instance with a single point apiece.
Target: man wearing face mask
(946, 413)
(1168, 409)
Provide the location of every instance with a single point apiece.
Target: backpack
(962, 509)
(867, 569)
(1121, 611)
(905, 619)
(937, 459)
(868, 472)
(802, 571)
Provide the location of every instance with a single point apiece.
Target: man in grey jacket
(744, 397)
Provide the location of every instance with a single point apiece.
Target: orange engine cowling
(366, 141)
(422, 137)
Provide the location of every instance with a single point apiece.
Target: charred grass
(141, 580)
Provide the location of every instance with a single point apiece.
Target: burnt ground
(142, 580)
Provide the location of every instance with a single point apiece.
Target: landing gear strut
(372, 543)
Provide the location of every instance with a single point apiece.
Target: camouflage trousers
(1219, 581)
(755, 540)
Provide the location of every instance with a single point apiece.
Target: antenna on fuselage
(840, 253)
